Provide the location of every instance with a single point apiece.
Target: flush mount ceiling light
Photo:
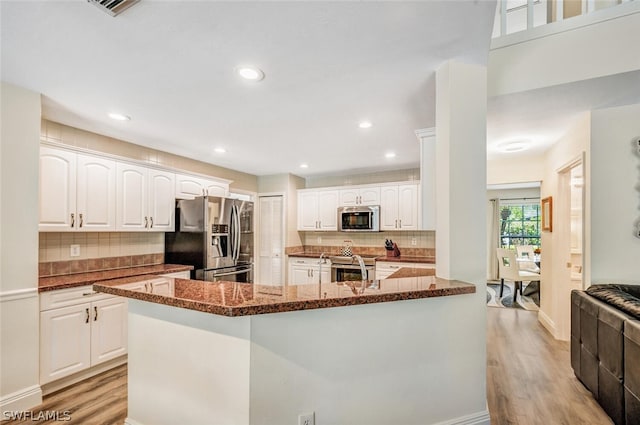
(365, 124)
(390, 155)
(220, 150)
(250, 73)
(304, 165)
(517, 146)
(119, 117)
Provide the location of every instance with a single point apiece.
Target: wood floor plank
(529, 375)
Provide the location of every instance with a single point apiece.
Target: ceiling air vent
(113, 7)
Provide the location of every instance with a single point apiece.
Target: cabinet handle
(86, 320)
(400, 223)
(95, 310)
(151, 287)
(300, 261)
(73, 219)
(311, 272)
(81, 221)
(86, 294)
(146, 222)
(151, 218)
(146, 287)
(396, 224)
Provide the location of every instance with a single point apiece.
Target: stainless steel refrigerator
(215, 235)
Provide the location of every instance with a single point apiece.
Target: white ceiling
(328, 65)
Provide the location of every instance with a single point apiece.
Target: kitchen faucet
(320, 261)
(363, 269)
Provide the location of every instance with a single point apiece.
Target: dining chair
(508, 269)
(526, 258)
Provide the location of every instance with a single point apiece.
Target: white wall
(19, 162)
(566, 56)
(518, 169)
(555, 291)
(615, 197)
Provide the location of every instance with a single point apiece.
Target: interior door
(270, 240)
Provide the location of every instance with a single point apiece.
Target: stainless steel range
(346, 268)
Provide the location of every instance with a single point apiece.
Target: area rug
(530, 299)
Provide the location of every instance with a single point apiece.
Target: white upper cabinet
(77, 191)
(399, 207)
(145, 199)
(318, 210)
(188, 187)
(360, 196)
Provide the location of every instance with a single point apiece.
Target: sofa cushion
(624, 297)
(632, 356)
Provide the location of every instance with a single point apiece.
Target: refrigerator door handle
(231, 273)
(235, 237)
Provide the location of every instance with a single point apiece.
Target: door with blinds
(271, 241)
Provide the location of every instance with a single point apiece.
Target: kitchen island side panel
(405, 362)
(187, 367)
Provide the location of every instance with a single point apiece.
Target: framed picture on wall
(547, 214)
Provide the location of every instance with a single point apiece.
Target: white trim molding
(548, 324)
(129, 421)
(478, 418)
(23, 399)
(425, 132)
(18, 294)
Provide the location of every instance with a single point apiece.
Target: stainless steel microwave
(359, 219)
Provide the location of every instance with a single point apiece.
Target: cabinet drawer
(186, 274)
(70, 296)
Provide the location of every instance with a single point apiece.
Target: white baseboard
(129, 421)
(478, 418)
(61, 383)
(548, 324)
(24, 399)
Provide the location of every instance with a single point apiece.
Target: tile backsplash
(56, 246)
(404, 239)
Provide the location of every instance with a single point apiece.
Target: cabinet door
(328, 209)
(389, 208)
(308, 211)
(57, 190)
(161, 286)
(408, 207)
(65, 339)
(108, 329)
(370, 196)
(188, 187)
(349, 197)
(96, 194)
(131, 198)
(216, 189)
(298, 272)
(161, 201)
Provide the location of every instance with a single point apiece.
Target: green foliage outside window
(520, 225)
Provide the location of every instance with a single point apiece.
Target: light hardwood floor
(529, 382)
(529, 375)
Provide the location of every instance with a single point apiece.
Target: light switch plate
(74, 251)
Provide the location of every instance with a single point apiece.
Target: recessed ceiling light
(220, 150)
(390, 155)
(119, 117)
(365, 124)
(250, 73)
(304, 165)
(516, 146)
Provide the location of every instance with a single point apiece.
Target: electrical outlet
(319, 239)
(307, 419)
(74, 251)
(414, 241)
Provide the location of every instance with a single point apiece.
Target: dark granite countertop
(242, 299)
(52, 283)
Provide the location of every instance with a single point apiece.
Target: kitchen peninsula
(374, 352)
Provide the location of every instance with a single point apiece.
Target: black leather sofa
(605, 347)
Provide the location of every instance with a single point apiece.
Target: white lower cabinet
(386, 268)
(79, 329)
(306, 271)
